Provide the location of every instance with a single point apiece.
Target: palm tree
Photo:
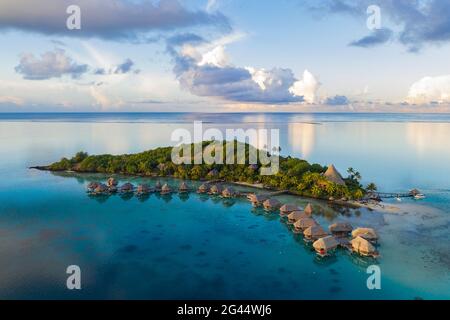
(351, 172)
(371, 187)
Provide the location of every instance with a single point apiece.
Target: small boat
(419, 196)
(398, 199)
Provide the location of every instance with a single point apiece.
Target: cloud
(430, 90)
(211, 5)
(204, 69)
(376, 38)
(123, 68)
(306, 88)
(11, 100)
(51, 64)
(337, 101)
(106, 19)
(418, 22)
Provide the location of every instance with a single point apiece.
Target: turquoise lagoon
(199, 247)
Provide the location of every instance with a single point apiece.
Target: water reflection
(301, 139)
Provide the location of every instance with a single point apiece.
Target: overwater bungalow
(366, 233)
(166, 189)
(333, 175)
(203, 189)
(158, 186)
(287, 209)
(314, 232)
(142, 190)
(308, 210)
(126, 188)
(92, 186)
(256, 199)
(100, 189)
(215, 190)
(363, 247)
(112, 189)
(112, 182)
(303, 224)
(340, 229)
(324, 246)
(183, 188)
(294, 216)
(228, 193)
(271, 204)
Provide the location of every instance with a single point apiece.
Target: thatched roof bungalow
(303, 224)
(414, 192)
(215, 190)
(166, 189)
(314, 232)
(92, 186)
(256, 199)
(158, 186)
(365, 233)
(101, 189)
(112, 182)
(142, 189)
(126, 188)
(325, 245)
(363, 247)
(228, 193)
(183, 187)
(203, 189)
(112, 189)
(294, 216)
(271, 204)
(333, 175)
(287, 209)
(309, 209)
(340, 229)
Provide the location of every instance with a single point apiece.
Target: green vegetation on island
(295, 175)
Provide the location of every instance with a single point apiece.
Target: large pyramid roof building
(333, 175)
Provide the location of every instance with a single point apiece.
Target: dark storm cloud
(106, 19)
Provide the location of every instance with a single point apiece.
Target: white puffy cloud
(204, 69)
(430, 89)
(216, 57)
(306, 88)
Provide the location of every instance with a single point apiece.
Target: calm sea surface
(202, 247)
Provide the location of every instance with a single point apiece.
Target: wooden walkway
(390, 195)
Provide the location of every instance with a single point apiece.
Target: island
(295, 176)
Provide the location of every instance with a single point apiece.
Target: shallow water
(203, 247)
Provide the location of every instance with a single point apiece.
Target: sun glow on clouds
(206, 70)
(430, 89)
(307, 87)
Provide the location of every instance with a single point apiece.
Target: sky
(225, 56)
